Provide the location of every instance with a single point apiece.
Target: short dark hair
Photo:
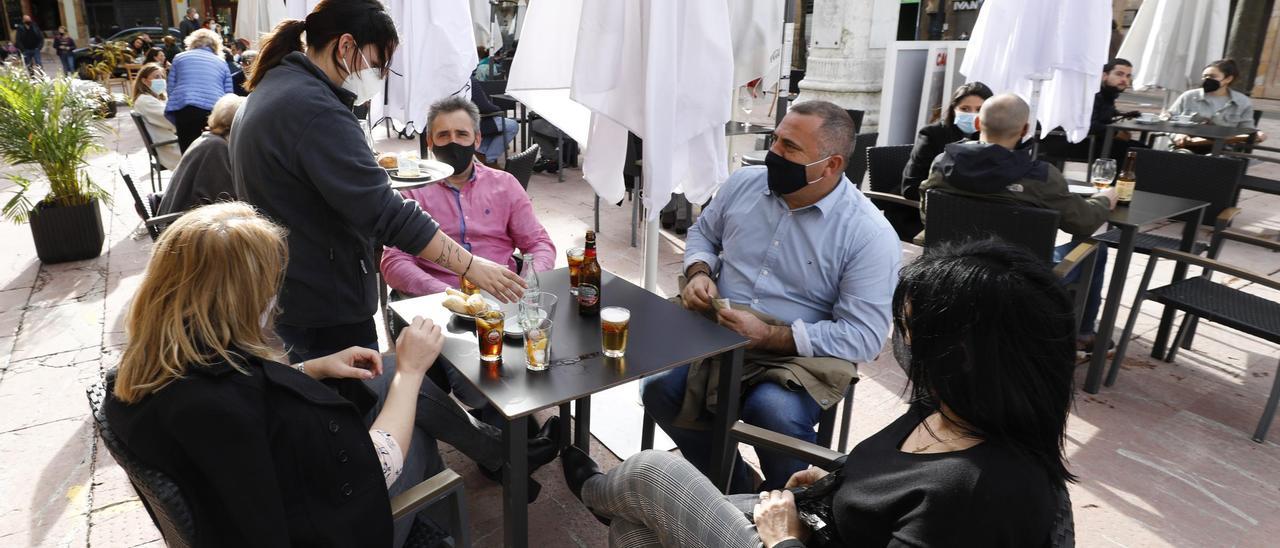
(992, 337)
(978, 89)
(837, 126)
(1227, 67)
(365, 20)
(1117, 62)
(453, 103)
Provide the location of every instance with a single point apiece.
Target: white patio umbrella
(1171, 41)
(436, 56)
(1049, 52)
(255, 18)
(756, 29)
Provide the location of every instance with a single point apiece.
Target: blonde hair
(141, 85)
(204, 38)
(224, 111)
(206, 290)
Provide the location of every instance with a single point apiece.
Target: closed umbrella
(1171, 41)
(255, 18)
(755, 26)
(436, 56)
(1049, 52)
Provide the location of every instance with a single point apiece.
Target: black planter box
(67, 233)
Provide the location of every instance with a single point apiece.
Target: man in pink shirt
(483, 209)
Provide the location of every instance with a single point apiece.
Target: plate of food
(467, 306)
(406, 177)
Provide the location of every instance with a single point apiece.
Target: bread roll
(457, 305)
(476, 304)
(388, 160)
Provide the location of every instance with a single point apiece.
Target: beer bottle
(589, 291)
(1127, 179)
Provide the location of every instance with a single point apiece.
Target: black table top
(1149, 207)
(1207, 131)
(662, 336)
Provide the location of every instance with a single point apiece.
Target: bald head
(1003, 119)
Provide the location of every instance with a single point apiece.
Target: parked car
(84, 54)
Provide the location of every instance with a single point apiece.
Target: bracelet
(301, 367)
(468, 269)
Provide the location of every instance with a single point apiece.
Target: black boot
(578, 468)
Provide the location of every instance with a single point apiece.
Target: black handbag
(813, 504)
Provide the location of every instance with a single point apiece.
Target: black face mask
(1209, 85)
(786, 176)
(458, 156)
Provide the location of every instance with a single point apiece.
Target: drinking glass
(575, 256)
(489, 332)
(745, 101)
(537, 344)
(614, 324)
(535, 306)
(1104, 171)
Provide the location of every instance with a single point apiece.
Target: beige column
(847, 52)
(72, 12)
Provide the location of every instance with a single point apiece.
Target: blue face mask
(964, 121)
(158, 86)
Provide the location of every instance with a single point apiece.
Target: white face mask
(365, 84)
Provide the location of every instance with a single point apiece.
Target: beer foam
(613, 314)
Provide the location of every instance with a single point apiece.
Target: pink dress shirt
(492, 216)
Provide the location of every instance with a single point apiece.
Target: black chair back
(885, 165)
(1213, 179)
(857, 168)
(147, 141)
(857, 116)
(520, 166)
(953, 218)
(160, 495)
(144, 207)
(493, 87)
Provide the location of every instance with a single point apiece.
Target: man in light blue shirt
(797, 241)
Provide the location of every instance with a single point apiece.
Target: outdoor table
(732, 129)
(662, 336)
(1146, 208)
(1218, 134)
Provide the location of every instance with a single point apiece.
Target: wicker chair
(1062, 534)
(1201, 297)
(856, 170)
(520, 166)
(953, 218)
(885, 165)
(153, 149)
(177, 523)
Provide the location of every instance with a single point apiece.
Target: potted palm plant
(46, 122)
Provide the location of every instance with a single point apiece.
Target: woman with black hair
(986, 335)
(300, 156)
(957, 124)
(1215, 103)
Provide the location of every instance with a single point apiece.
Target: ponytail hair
(365, 20)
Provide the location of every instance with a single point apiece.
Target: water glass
(536, 306)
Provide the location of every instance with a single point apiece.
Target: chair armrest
(1225, 217)
(423, 494)
(1217, 266)
(1073, 259)
(767, 439)
(1244, 237)
(163, 220)
(891, 198)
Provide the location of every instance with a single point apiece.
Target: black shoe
(552, 167)
(578, 468)
(490, 417)
(541, 164)
(550, 430)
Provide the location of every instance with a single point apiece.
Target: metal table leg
(1179, 272)
(565, 416)
(1106, 143)
(515, 484)
(1110, 310)
(582, 423)
(722, 446)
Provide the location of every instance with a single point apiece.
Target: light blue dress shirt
(828, 269)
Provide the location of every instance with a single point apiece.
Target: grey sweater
(203, 176)
(298, 155)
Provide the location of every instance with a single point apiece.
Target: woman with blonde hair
(197, 79)
(264, 453)
(149, 100)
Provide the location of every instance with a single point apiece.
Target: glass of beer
(575, 255)
(467, 287)
(1104, 170)
(614, 321)
(537, 344)
(489, 330)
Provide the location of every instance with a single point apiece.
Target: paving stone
(45, 390)
(45, 484)
(70, 326)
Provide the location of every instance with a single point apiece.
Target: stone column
(73, 18)
(847, 53)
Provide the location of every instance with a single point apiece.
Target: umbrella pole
(650, 255)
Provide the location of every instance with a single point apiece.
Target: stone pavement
(1164, 457)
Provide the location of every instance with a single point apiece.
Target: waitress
(299, 156)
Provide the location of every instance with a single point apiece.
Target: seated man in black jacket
(1116, 77)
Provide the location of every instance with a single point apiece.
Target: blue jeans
(1092, 303)
(32, 58)
(68, 63)
(766, 405)
(493, 145)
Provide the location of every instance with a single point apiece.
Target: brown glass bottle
(1127, 180)
(589, 290)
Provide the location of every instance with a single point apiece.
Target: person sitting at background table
(498, 131)
(138, 47)
(170, 47)
(264, 453)
(240, 76)
(482, 208)
(156, 55)
(992, 168)
(811, 262)
(1117, 74)
(149, 100)
(956, 125)
(1217, 104)
(983, 330)
(204, 175)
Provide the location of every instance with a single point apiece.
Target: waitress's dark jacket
(265, 457)
(298, 155)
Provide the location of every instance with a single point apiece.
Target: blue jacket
(198, 79)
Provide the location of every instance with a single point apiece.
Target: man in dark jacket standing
(190, 23)
(994, 168)
(30, 42)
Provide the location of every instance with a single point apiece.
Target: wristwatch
(695, 269)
